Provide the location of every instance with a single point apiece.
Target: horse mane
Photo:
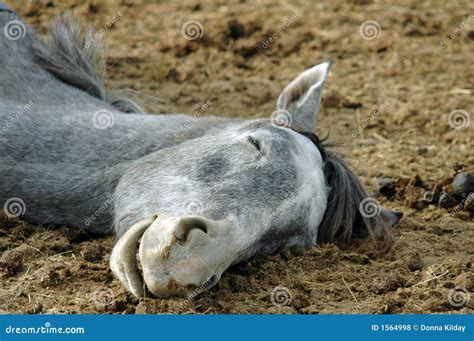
(343, 222)
(76, 56)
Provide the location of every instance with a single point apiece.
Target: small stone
(93, 7)
(351, 104)
(236, 29)
(446, 200)
(463, 183)
(417, 182)
(422, 151)
(458, 166)
(387, 187)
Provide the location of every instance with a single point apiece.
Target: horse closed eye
(255, 143)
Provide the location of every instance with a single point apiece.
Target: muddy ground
(388, 100)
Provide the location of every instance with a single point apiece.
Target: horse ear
(390, 216)
(302, 97)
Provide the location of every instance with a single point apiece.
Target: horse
(186, 196)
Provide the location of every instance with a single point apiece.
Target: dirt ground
(398, 73)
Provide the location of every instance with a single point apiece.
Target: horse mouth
(142, 264)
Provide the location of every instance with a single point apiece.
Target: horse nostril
(186, 225)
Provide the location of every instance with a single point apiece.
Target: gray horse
(190, 195)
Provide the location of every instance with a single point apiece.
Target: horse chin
(181, 256)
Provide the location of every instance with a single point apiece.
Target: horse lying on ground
(190, 195)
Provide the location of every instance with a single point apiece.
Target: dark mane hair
(343, 222)
(76, 56)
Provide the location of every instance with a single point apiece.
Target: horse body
(200, 193)
(54, 151)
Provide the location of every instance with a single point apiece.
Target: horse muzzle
(178, 256)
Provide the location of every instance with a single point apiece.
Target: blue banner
(236, 327)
